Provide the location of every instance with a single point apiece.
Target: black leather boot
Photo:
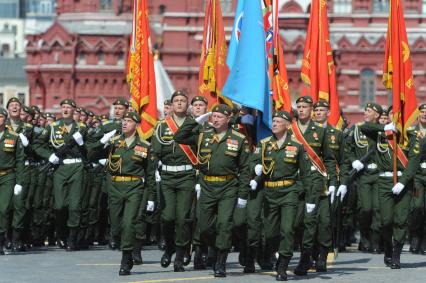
(375, 243)
(178, 264)
(388, 254)
(126, 263)
(321, 263)
(396, 256)
(249, 266)
(414, 244)
(187, 255)
(1, 244)
(266, 256)
(166, 258)
(282, 265)
(211, 257)
(220, 266)
(17, 244)
(137, 252)
(304, 264)
(72, 240)
(423, 246)
(199, 263)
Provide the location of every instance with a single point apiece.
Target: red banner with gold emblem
(397, 71)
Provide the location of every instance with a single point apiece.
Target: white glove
(310, 207)
(357, 165)
(198, 190)
(397, 189)
(150, 206)
(343, 189)
(203, 118)
(108, 136)
(102, 162)
(78, 138)
(159, 164)
(258, 169)
(54, 159)
(17, 189)
(24, 140)
(390, 127)
(157, 176)
(253, 185)
(241, 203)
(330, 193)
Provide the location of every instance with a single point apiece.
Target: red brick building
(83, 55)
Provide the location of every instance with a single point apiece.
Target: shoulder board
(208, 130)
(81, 124)
(238, 134)
(318, 125)
(265, 140)
(115, 138)
(294, 139)
(13, 133)
(144, 142)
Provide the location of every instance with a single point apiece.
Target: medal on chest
(232, 144)
(141, 151)
(9, 143)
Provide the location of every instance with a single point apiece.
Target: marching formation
(202, 186)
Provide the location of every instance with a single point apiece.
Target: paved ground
(101, 265)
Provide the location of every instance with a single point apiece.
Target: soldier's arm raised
(188, 132)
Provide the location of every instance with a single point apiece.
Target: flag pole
(395, 159)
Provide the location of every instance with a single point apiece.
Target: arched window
(342, 6)
(106, 5)
(380, 6)
(367, 87)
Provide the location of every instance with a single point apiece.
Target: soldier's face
(2, 120)
(23, 116)
(14, 110)
(89, 119)
(321, 114)
(304, 110)
(384, 119)
(67, 111)
(167, 110)
(119, 111)
(49, 120)
(83, 117)
(180, 104)
(370, 115)
(42, 122)
(279, 125)
(220, 121)
(422, 116)
(198, 108)
(129, 126)
(96, 124)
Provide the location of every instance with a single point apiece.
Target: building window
(367, 87)
(342, 6)
(9, 9)
(225, 5)
(120, 59)
(106, 5)
(380, 6)
(21, 97)
(101, 58)
(81, 59)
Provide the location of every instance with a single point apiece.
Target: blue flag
(235, 36)
(248, 82)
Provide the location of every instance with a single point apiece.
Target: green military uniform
(68, 176)
(11, 174)
(224, 177)
(393, 207)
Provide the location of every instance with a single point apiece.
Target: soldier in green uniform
(417, 217)
(11, 173)
(131, 170)
(65, 138)
(324, 180)
(358, 146)
(394, 199)
(177, 182)
(223, 156)
(281, 160)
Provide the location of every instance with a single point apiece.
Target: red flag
(140, 73)
(397, 70)
(213, 68)
(318, 69)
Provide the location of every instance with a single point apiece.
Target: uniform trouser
(142, 217)
(317, 223)
(87, 184)
(254, 217)
(94, 205)
(125, 199)
(7, 183)
(67, 193)
(19, 201)
(39, 210)
(368, 204)
(394, 210)
(217, 203)
(177, 192)
(280, 211)
(417, 216)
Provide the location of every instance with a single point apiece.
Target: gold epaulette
(115, 138)
(294, 139)
(12, 132)
(238, 134)
(265, 140)
(81, 124)
(144, 142)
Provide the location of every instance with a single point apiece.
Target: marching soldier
(63, 145)
(11, 173)
(223, 156)
(131, 170)
(177, 182)
(323, 166)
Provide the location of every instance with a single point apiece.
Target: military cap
(43, 115)
(122, 101)
(35, 108)
(199, 98)
(385, 112)
(306, 99)
(69, 102)
(50, 115)
(134, 116)
(90, 113)
(167, 102)
(283, 114)
(103, 117)
(85, 111)
(28, 110)
(96, 118)
(322, 103)
(78, 109)
(3, 112)
(178, 93)
(422, 106)
(376, 107)
(222, 108)
(13, 99)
